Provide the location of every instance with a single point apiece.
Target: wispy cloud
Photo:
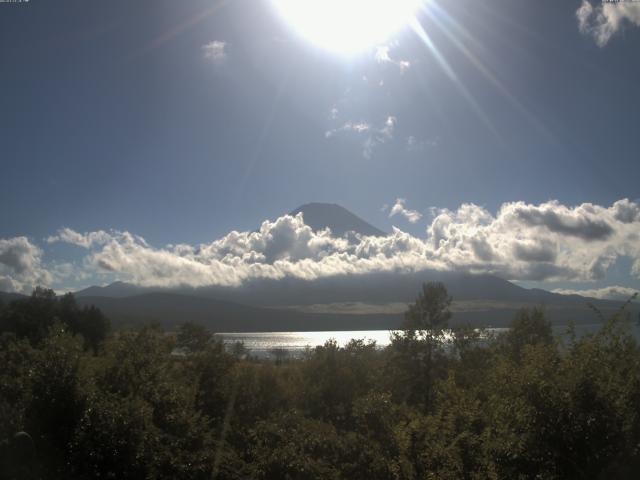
(606, 19)
(215, 51)
(399, 208)
(372, 136)
(415, 144)
(614, 292)
(86, 240)
(382, 55)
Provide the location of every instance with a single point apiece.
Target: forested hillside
(78, 401)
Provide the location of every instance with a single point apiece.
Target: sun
(347, 26)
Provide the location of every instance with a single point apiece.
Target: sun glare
(347, 26)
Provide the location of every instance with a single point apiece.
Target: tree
(529, 327)
(430, 313)
(193, 337)
(31, 318)
(94, 327)
(421, 338)
(56, 403)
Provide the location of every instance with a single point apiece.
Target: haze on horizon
(164, 143)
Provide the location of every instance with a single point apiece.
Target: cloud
(584, 221)
(215, 51)
(614, 292)
(606, 19)
(381, 55)
(626, 211)
(416, 145)
(373, 136)
(85, 240)
(547, 241)
(537, 242)
(356, 127)
(399, 209)
(21, 265)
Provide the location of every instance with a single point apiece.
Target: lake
(260, 344)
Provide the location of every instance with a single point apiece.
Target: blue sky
(181, 121)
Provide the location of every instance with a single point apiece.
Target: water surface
(261, 344)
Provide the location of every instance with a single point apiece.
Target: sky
(496, 136)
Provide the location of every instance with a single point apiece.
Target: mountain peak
(340, 220)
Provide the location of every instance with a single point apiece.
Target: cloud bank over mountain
(548, 241)
(614, 292)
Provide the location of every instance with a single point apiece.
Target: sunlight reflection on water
(295, 343)
(260, 344)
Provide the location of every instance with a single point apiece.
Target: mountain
(114, 290)
(374, 300)
(340, 220)
(317, 215)
(6, 297)
(340, 303)
(170, 309)
(377, 288)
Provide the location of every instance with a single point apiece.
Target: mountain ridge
(293, 303)
(341, 221)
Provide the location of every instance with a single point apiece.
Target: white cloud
(614, 292)
(606, 19)
(416, 145)
(373, 136)
(399, 209)
(382, 55)
(21, 265)
(85, 240)
(548, 241)
(215, 51)
(389, 125)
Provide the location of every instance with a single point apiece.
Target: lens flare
(347, 26)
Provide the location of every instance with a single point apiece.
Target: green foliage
(33, 318)
(414, 351)
(212, 373)
(333, 377)
(56, 402)
(146, 405)
(529, 327)
(141, 419)
(193, 337)
(17, 360)
(430, 312)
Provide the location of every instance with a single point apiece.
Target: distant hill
(349, 302)
(330, 303)
(380, 288)
(115, 290)
(8, 297)
(171, 309)
(340, 220)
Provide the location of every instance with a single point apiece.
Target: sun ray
(177, 30)
(448, 70)
(347, 27)
(264, 132)
(439, 16)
